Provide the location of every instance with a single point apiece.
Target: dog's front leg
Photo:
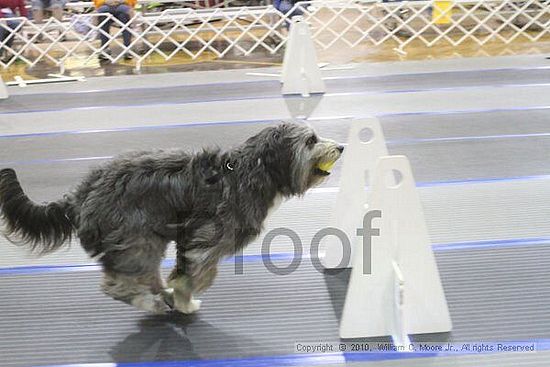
(182, 286)
(198, 254)
(190, 278)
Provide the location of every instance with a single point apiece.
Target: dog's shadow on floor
(159, 338)
(166, 338)
(337, 281)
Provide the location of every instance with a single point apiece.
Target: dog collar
(229, 166)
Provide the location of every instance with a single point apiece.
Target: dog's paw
(188, 307)
(151, 303)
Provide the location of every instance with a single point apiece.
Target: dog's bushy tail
(43, 228)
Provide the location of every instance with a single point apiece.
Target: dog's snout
(340, 148)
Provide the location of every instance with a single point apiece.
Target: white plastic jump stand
(301, 74)
(395, 287)
(3, 89)
(366, 144)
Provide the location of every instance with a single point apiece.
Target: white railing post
(301, 73)
(3, 89)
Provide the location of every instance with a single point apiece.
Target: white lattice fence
(217, 31)
(193, 32)
(429, 22)
(247, 29)
(466, 21)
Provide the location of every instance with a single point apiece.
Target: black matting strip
(493, 294)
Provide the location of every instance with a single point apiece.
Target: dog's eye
(311, 141)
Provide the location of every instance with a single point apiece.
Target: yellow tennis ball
(326, 166)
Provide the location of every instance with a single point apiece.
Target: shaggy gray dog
(211, 204)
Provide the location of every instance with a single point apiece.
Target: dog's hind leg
(136, 291)
(132, 275)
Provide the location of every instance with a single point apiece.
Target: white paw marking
(188, 307)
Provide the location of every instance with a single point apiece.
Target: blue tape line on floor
(476, 245)
(272, 80)
(274, 96)
(168, 263)
(276, 257)
(276, 80)
(395, 142)
(180, 103)
(302, 360)
(267, 121)
(232, 99)
(138, 128)
(465, 138)
(481, 181)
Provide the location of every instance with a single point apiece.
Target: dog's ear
(271, 144)
(276, 153)
(278, 134)
(281, 130)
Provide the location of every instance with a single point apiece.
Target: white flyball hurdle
(394, 288)
(366, 144)
(301, 73)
